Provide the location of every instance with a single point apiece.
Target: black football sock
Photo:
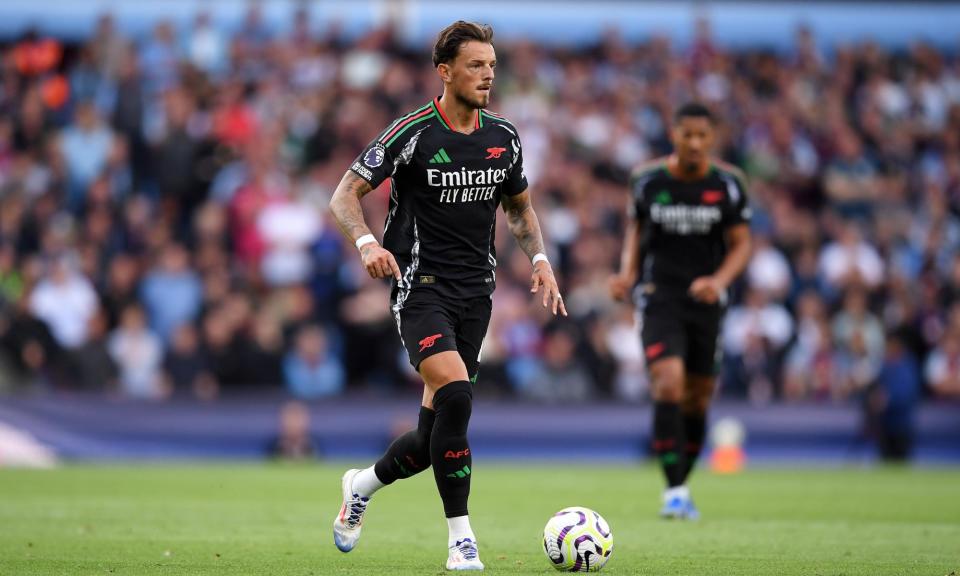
(694, 432)
(449, 451)
(409, 454)
(667, 435)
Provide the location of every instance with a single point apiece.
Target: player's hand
(379, 262)
(619, 286)
(543, 277)
(707, 289)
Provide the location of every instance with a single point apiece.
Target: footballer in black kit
(451, 164)
(688, 238)
(446, 187)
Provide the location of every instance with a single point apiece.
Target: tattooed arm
(525, 227)
(345, 207)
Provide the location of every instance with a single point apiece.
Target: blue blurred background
(171, 285)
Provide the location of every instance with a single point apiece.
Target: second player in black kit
(688, 238)
(451, 164)
(684, 223)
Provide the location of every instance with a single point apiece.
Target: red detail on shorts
(654, 350)
(451, 455)
(429, 341)
(494, 153)
(659, 445)
(712, 196)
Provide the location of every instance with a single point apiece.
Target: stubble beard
(476, 103)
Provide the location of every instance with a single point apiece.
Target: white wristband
(365, 239)
(538, 257)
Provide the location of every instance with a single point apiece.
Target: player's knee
(668, 393)
(695, 403)
(667, 385)
(453, 403)
(441, 369)
(698, 394)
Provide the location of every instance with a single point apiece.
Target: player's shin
(407, 456)
(667, 438)
(449, 450)
(694, 432)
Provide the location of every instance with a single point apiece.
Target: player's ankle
(458, 530)
(366, 483)
(681, 491)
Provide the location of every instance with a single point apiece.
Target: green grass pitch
(275, 520)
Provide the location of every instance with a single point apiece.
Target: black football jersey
(684, 221)
(445, 190)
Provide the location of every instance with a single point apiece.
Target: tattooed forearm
(523, 223)
(345, 205)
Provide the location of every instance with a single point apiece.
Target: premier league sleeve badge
(374, 156)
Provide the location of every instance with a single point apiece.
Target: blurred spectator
(561, 377)
(96, 368)
(311, 372)
(206, 47)
(108, 46)
(32, 128)
(288, 228)
(129, 111)
(851, 261)
(894, 400)
(65, 300)
(754, 337)
(809, 367)
(780, 153)
(171, 292)
(858, 336)
(265, 355)
(160, 59)
(29, 349)
(224, 349)
(120, 287)
(850, 179)
(185, 366)
(177, 152)
(370, 339)
(85, 146)
(138, 355)
(769, 269)
(293, 441)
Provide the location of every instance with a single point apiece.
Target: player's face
(692, 141)
(470, 75)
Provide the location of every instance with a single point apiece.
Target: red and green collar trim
(477, 123)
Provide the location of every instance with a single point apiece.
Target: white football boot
(347, 524)
(464, 556)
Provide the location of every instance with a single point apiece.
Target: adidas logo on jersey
(440, 157)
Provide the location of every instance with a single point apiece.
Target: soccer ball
(577, 539)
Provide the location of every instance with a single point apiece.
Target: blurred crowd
(163, 223)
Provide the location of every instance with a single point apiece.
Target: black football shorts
(674, 324)
(430, 322)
